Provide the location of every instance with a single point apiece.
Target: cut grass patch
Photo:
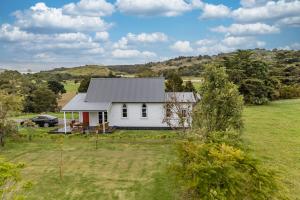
(273, 133)
(124, 167)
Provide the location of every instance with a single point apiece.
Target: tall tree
(251, 76)
(56, 87)
(41, 100)
(189, 87)
(9, 104)
(84, 84)
(174, 83)
(221, 105)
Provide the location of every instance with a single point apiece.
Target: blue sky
(39, 35)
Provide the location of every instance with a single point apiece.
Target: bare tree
(178, 111)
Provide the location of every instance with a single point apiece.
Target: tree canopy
(221, 105)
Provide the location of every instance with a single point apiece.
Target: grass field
(127, 165)
(71, 89)
(273, 132)
(86, 70)
(134, 164)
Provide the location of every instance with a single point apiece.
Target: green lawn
(133, 164)
(127, 165)
(71, 86)
(273, 132)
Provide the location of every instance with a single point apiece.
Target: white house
(134, 103)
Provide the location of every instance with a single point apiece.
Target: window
(100, 117)
(124, 111)
(168, 110)
(144, 110)
(184, 113)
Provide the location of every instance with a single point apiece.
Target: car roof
(48, 116)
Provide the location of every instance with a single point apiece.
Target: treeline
(38, 93)
(259, 81)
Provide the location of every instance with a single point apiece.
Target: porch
(93, 116)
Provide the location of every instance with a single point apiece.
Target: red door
(86, 118)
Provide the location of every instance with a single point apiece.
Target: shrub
(289, 91)
(212, 169)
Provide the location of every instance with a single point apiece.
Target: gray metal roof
(126, 90)
(78, 103)
(182, 97)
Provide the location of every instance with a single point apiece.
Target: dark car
(44, 120)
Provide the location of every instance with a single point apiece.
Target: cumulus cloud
(131, 53)
(29, 42)
(214, 11)
(140, 38)
(92, 8)
(102, 36)
(13, 34)
(205, 42)
(167, 8)
(270, 10)
(294, 46)
(227, 44)
(290, 21)
(247, 29)
(252, 3)
(182, 46)
(41, 16)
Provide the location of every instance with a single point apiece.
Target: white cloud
(205, 42)
(252, 3)
(182, 46)
(92, 8)
(147, 37)
(102, 36)
(66, 42)
(214, 11)
(156, 7)
(232, 41)
(227, 44)
(140, 38)
(13, 33)
(290, 21)
(131, 53)
(41, 16)
(294, 46)
(271, 10)
(247, 29)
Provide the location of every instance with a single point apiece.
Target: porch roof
(78, 104)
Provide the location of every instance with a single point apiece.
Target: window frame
(123, 107)
(105, 117)
(144, 109)
(184, 113)
(168, 111)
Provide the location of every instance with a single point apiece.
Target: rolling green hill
(280, 61)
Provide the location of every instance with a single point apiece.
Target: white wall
(155, 116)
(80, 117)
(94, 118)
(134, 118)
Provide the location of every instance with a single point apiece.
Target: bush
(289, 91)
(212, 168)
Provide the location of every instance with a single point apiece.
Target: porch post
(65, 122)
(103, 122)
(72, 115)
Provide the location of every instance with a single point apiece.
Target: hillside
(188, 66)
(87, 70)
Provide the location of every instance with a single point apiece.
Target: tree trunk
(2, 140)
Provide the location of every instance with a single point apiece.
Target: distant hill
(2, 70)
(185, 66)
(87, 70)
